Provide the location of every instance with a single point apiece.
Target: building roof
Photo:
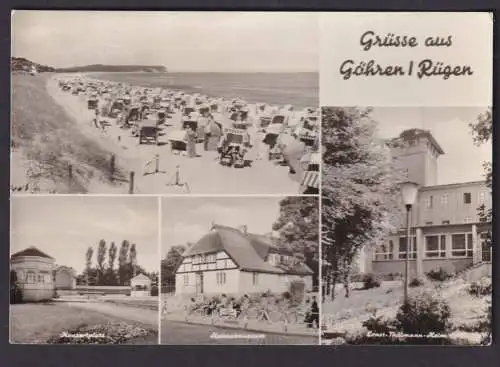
(249, 251)
(30, 251)
(410, 135)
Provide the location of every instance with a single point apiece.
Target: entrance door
(485, 247)
(199, 283)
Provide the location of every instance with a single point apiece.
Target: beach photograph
(107, 102)
(240, 271)
(407, 215)
(84, 270)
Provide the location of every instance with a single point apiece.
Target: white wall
(274, 282)
(37, 291)
(232, 285)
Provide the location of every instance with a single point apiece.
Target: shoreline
(194, 89)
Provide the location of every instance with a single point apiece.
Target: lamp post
(409, 191)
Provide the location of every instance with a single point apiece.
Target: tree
(359, 191)
(88, 263)
(16, 293)
(111, 278)
(169, 265)
(133, 259)
(298, 226)
(101, 257)
(122, 261)
(482, 133)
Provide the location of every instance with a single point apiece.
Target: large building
(232, 261)
(446, 229)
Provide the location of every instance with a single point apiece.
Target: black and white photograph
(241, 271)
(406, 225)
(107, 102)
(84, 270)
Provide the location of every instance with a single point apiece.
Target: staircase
(474, 272)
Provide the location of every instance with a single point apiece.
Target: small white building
(140, 286)
(233, 261)
(34, 270)
(65, 278)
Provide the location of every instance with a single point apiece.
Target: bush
(378, 325)
(370, 281)
(424, 314)
(480, 288)
(297, 290)
(286, 295)
(439, 275)
(154, 291)
(416, 282)
(16, 293)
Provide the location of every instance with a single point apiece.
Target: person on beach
(191, 142)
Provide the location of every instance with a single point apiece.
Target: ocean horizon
(299, 89)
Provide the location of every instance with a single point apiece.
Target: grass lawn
(45, 139)
(36, 323)
(147, 303)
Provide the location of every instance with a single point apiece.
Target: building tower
(416, 152)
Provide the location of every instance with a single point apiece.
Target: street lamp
(409, 191)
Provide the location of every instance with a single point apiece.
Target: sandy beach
(203, 174)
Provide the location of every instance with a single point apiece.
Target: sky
(188, 41)
(65, 226)
(462, 161)
(192, 217)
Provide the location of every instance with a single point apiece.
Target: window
(385, 251)
(445, 222)
(255, 278)
(221, 278)
(30, 277)
(467, 198)
(482, 197)
(444, 199)
(210, 258)
(186, 280)
(402, 248)
(467, 220)
(435, 246)
(461, 245)
(428, 202)
(196, 259)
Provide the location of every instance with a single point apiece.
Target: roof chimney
(243, 229)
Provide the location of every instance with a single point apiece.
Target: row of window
(31, 277)
(218, 264)
(434, 246)
(465, 220)
(467, 199)
(221, 278)
(204, 259)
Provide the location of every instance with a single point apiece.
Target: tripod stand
(176, 180)
(157, 166)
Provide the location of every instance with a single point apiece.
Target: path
(177, 333)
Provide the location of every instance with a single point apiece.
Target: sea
(300, 90)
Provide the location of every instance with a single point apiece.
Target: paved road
(143, 316)
(178, 333)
